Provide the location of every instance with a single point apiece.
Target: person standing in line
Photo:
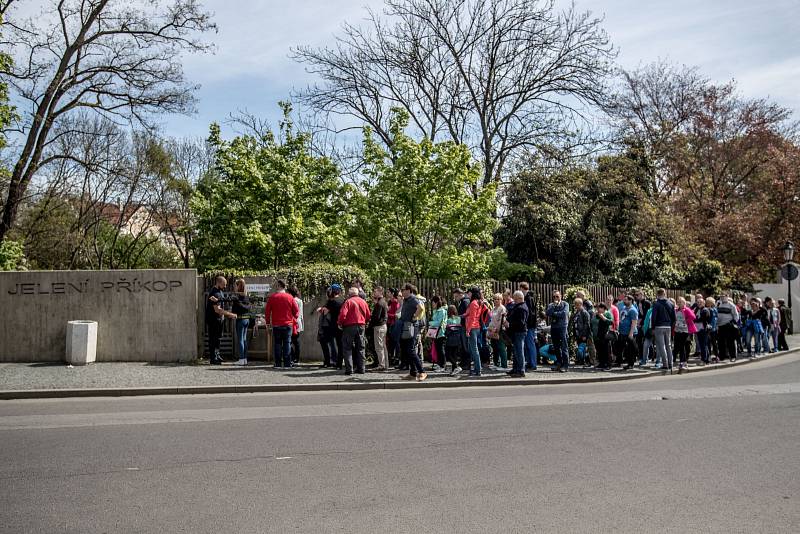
(517, 322)
(589, 306)
(662, 321)
(281, 312)
(392, 334)
(329, 316)
(531, 347)
(754, 328)
(454, 339)
(702, 321)
(462, 303)
(642, 306)
(684, 329)
(713, 329)
(727, 331)
(581, 323)
(242, 308)
(353, 319)
(628, 327)
(558, 315)
(602, 324)
(215, 315)
(378, 325)
(473, 329)
(408, 336)
(765, 324)
(436, 332)
(786, 324)
(298, 327)
(774, 323)
(495, 332)
(611, 306)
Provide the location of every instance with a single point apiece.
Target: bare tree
(116, 58)
(501, 76)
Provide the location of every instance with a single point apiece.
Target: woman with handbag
(495, 331)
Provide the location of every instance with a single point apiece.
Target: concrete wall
(780, 291)
(142, 315)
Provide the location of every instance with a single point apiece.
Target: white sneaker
(456, 371)
(241, 362)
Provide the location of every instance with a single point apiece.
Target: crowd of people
(472, 331)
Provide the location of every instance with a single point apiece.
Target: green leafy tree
(421, 216)
(707, 276)
(268, 202)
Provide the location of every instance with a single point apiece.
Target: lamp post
(789, 271)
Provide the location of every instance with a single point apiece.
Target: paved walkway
(122, 376)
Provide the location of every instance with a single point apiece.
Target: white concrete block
(81, 342)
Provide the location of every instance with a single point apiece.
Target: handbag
(433, 332)
(408, 330)
(611, 335)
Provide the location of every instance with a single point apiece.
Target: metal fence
(428, 287)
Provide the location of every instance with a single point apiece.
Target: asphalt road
(707, 452)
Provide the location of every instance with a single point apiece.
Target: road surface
(707, 452)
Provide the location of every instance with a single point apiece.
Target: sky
(755, 42)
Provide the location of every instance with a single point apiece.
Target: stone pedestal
(81, 342)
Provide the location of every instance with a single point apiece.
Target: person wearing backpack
(454, 340)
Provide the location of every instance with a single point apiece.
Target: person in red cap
(353, 318)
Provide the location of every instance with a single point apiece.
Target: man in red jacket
(281, 312)
(353, 317)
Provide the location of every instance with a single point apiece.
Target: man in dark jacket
(786, 324)
(662, 320)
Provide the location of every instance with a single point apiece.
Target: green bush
(310, 279)
(12, 256)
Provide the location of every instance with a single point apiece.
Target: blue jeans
(474, 340)
(702, 344)
(282, 337)
(241, 336)
(530, 348)
(751, 334)
(774, 332)
(520, 340)
(559, 337)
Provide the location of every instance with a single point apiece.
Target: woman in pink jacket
(684, 328)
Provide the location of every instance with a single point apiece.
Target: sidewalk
(41, 380)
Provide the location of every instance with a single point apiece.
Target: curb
(352, 386)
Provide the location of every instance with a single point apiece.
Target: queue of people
(472, 332)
